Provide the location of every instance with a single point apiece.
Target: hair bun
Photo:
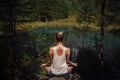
(59, 36)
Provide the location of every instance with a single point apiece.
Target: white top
(59, 65)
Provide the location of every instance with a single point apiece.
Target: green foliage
(11, 9)
(86, 16)
(50, 9)
(26, 59)
(38, 36)
(60, 10)
(26, 56)
(86, 13)
(112, 12)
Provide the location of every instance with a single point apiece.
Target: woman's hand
(75, 64)
(43, 65)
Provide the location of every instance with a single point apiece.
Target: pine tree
(51, 9)
(10, 10)
(112, 12)
(86, 16)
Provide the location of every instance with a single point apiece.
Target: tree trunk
(101, 53)
(13, 44)
(46, 20)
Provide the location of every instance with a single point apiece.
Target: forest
(28, 27)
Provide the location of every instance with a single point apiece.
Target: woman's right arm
(51, 57)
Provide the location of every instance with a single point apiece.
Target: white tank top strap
(64, 49)
(54, 49)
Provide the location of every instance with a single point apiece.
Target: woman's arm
(68, 58)
(51, 57)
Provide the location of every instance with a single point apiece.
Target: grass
(68, 22)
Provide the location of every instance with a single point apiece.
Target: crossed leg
(70, 68)
(47, 68)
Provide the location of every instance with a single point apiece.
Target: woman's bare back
(60, 50)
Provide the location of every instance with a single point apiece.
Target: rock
(57, 78)
(44, 78)
(69, 77)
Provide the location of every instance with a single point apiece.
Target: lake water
(74, 38)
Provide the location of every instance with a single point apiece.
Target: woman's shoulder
(51, 48)
(67, 49)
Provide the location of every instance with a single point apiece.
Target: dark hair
(59, 36)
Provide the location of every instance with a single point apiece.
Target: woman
(59, 58)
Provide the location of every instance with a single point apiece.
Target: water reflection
(74, 55)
